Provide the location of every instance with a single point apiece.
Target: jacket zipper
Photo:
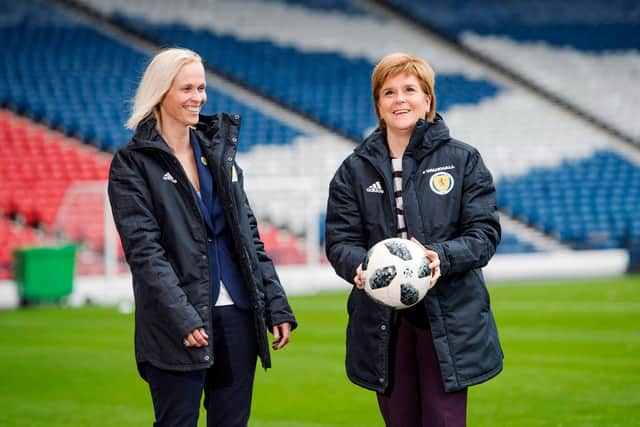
(389, 191)
(227, 157)
(391, 319)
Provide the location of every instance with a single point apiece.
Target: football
(396, 273)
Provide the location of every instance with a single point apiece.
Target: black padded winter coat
(449, 206)
(165, 242)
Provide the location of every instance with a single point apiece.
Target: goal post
(85, 217)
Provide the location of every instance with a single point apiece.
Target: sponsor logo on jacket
(168, 177)
(375, 188)
(441, 183)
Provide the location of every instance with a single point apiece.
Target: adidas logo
(375, 188)
(167, 177)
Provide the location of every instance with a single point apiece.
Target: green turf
(572, 359)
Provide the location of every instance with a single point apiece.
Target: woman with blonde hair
(205, 290)
(411, 179)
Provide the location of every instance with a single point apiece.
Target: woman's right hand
(358, 278)
(196, 338)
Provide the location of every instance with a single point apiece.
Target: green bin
(44, 273)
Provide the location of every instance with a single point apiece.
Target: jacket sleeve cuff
(445, 264)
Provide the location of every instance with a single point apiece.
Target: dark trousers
(416, 396)
(227, 385)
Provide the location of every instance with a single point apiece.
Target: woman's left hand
(434, 263)
(281, 335)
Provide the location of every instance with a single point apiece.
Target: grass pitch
(571, 360)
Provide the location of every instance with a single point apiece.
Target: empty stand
(579, 51)
(38, 166)
(609, 25)
(81, 81)
(347, 7)
(327, 87)
(590, 203)
(511, 244)
(282, 246)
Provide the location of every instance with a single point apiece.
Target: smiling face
(182, 103)
(402, 102)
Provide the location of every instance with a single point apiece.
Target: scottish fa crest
(441, 183)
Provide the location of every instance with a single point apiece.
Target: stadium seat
(588, 204)
(588, 48)
(83, 65)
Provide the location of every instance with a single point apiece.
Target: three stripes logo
(375, 188)
(168, 177)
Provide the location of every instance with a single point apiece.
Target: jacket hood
(426, 137)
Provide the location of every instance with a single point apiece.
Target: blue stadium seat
(510, 244)
(345, 7)
(60, 71)
(610, 27)
(326, 87)
(588, 204)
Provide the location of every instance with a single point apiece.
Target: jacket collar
(425, 138)
(208, 128)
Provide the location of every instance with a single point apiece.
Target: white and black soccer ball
(396, 273)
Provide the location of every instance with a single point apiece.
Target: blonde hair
(156, 81)
(398, 63)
